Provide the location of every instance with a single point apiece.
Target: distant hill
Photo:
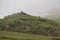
(24, 23)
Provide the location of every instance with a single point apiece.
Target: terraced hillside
(24, 23)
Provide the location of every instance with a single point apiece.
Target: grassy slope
(21, 36)
(44, 22)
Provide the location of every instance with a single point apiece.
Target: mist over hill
(54, 14)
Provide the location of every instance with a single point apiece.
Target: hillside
(21, 36)
(24, 23)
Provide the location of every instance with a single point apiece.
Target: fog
(33, 7)
(54, 14)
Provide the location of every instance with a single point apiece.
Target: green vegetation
(24, 23)
(21, 36)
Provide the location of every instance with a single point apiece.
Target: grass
(21, 36)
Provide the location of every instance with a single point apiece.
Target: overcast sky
(32, 7)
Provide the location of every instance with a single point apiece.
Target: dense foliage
(22, 22)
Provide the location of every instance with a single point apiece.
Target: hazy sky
(32, 7)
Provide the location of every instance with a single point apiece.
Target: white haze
(32, 7)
